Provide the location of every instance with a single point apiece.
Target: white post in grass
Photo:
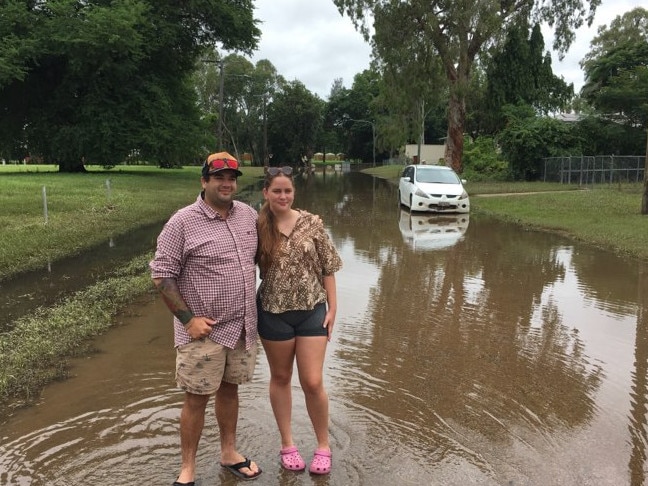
(108, 190)
(45, 204)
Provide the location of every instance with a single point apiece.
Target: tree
(294, 121)
(458, 32)
(97, 82)
(616, 76)
(601, 136)
(353, 115)
(631, 27)
(265, 81)
(331, 138)
(360, 121)
(406, 61)
(520, 73)
(527, 139)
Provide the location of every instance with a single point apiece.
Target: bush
(482, 162)
(526, 141)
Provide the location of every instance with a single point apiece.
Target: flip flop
(321, 463)
(235, 469)
(291, 459)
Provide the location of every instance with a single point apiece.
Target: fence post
(45, 205)
(638, 168)
(544, 175)
(108, 191)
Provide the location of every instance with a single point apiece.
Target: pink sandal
(321, 463)
(291, 459)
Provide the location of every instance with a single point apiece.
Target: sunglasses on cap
(285, 170)
(219, 164)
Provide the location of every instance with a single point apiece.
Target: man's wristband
(185, 317)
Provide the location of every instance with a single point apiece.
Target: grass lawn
(85, 209)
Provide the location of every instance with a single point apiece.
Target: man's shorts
(202, 364)
(291, 324)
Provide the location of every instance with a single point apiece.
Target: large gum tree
(457, 31)
(99, 81)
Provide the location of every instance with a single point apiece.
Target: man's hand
(199, 327)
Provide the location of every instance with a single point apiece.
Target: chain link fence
(600, 169)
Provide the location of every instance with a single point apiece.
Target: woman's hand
(329, 322)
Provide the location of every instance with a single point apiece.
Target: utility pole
(373, 140)
(265, 132)
(220, 106)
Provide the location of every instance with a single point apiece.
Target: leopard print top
(294, 281)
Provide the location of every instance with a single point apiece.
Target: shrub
(482, 162)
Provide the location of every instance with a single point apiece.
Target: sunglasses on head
(218, 164)
(286, 170)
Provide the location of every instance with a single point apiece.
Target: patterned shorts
(201, 365)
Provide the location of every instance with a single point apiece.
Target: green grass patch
(85, 209)
(390, 172)
(36, 350)
(606, 216)
(480, 188)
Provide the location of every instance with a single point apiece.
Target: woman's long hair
(269, 236)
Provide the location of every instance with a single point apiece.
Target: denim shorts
(291, 324)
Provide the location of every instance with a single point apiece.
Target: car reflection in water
(425, 231)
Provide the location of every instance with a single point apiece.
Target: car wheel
(400, 199)
(410, 206)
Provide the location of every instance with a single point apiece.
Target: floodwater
(466, 352)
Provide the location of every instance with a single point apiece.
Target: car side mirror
(464, 181)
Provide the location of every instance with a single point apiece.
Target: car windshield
(436, 176)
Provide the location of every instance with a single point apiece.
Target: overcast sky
(309, 41)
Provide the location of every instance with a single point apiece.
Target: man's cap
(220, 161)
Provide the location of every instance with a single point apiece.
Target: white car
(432, 231)
(432, 188)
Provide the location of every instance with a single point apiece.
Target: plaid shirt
(212, 260)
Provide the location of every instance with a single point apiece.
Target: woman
(297, 305)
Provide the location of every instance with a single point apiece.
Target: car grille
(443, 207)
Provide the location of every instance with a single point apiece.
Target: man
(205, 270)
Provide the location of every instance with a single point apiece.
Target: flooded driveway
(466, 352)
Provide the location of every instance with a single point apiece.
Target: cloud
(569, 67)
(309, 41)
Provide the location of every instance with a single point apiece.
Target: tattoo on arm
(174, 301)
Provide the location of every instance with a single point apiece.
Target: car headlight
(420, 193)
(464, 195)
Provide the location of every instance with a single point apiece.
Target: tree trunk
(72, 166)
(454, 141)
